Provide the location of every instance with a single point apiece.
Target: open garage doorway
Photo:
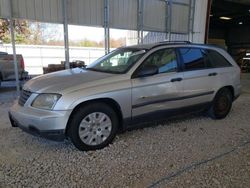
(229, 28)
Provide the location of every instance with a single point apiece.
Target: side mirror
(147, 71)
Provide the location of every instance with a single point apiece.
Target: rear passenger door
(221, 66)
(199, 79)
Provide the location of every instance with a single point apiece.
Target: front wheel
(93, 126)
(222, 104)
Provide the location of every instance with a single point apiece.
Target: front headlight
(46, 101)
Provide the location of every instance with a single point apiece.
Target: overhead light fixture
(240, 23)
(211, 15)
(225, 18)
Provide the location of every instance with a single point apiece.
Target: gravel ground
(194, 151)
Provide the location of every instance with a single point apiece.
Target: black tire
(0, 79)
(221, 105)
(81, 114)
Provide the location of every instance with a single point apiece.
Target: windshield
(118, 61)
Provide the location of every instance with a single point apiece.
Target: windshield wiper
(82, 67)
(92, 69)
(105, 71)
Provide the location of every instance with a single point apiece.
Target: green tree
(22, 31)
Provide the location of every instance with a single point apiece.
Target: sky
(92, 33)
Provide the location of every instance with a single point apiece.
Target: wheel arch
(108, 101)
(230, 88)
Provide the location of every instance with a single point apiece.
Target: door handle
(176, 80)
(212, 74)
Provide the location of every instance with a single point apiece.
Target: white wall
(199, 26)
(36, 56)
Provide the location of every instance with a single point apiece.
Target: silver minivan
(126, 87)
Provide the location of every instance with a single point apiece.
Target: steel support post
(169, 19)
(191, 20)
(65, 32)
(140, 4)
(138, 21)
(106, 27)
(12, 32)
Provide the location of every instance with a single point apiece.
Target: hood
(66, 80)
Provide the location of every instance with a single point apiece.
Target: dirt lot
(194, 151)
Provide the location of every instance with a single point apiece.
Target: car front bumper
(44, 123)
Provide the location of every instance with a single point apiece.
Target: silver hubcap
(95, 128)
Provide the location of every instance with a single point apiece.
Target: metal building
(174, 19)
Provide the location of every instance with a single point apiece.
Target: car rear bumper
(44, 123)
(237, 92)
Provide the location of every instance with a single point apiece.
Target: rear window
(193, 58)
(216, 60)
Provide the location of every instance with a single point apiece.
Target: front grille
(24, 97)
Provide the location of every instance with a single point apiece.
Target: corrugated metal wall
(39, 10)
(4, 9)
(180, 18)
(158, 15)
(154, 15)
(123, 14)
(86, 12)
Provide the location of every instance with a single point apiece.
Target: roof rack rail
(176, 41)
(162, 43)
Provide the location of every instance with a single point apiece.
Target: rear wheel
(0, 79)
(222, 104)
(93, 126)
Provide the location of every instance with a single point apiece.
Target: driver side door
(159, 92)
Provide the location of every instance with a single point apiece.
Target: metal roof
(122, 14)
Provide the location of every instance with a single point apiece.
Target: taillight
(22, 63)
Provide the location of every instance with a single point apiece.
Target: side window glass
(217, 60)
(192, 58)
(165, 60)
(207, 59)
